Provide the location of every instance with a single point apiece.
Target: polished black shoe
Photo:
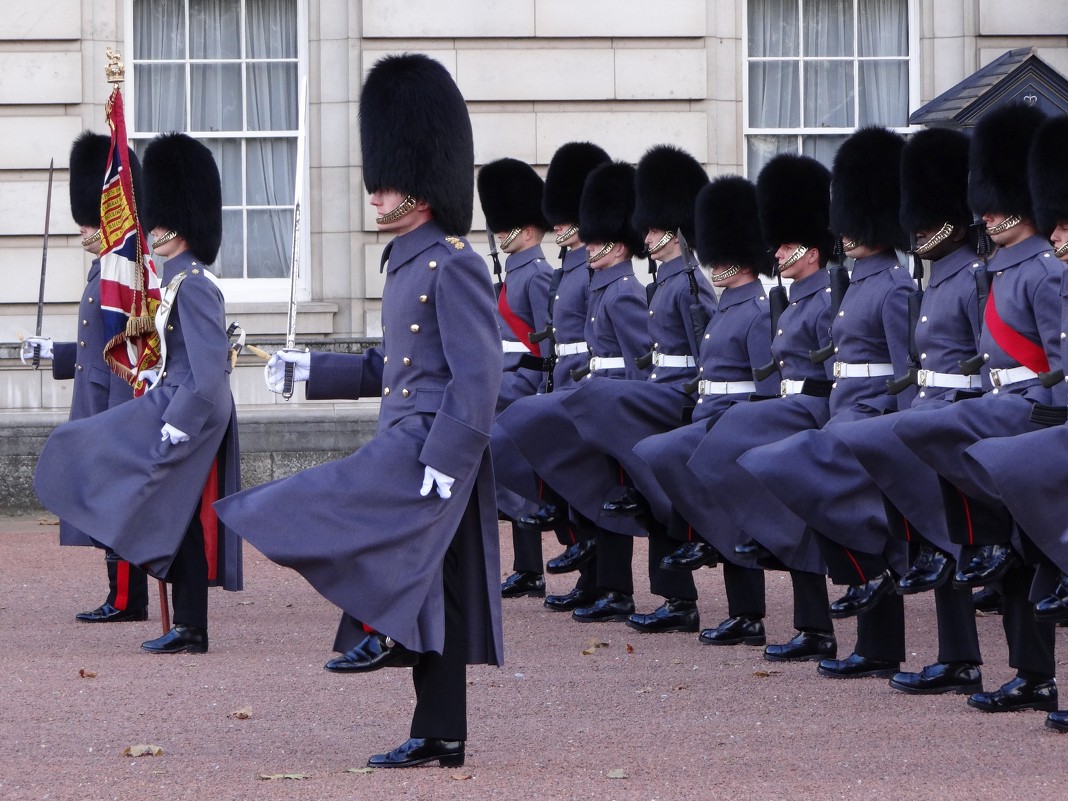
(734, 631)
(576, 599)
(1054, 607)
(859, 598)
(990, 564)
(855, 666)
(419, 751)
(609, 607)
(807, 646)
(691, 556)
(988, 600)
(630, 504)
(106, 613)
(523, 582)
(575, 557)
(930, 571)
(1058, 721)
(675, 614)
(544, 519)
(1018, 694)
(941, 677)
(373, 652)
(181, 639)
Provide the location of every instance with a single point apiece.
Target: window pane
(883, 28)
(822, 148)
(828, 28)
(271, 28)
(160, 97)
(270, 238)
(271, 166)
(760, 150)
(828, 94)
(216, 97)
(159, 29)
(272, 97)
(774, 94)
(884, 93)
(215, 28)
(773, 28)
(230, 262)
(227, 153)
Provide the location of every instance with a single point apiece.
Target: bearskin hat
(511, 193)
(934, 180)
(607, 205)
(997, 161)
(183, 192)
(1048, 174)
(667, 183)
(728, 226)
(568, 169)
(88, 165)
(866, 189)
(793, 199)
(415, 136)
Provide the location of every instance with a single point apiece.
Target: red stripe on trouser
(122, 584)
(367, 629)
(622, 477)
(967, 517)
(863, 579)
(908, 531)
(571, 534)
(541, 489)
(209, 522)
(689, 533)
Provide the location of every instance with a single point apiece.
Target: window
(226, 72)
(819, 69)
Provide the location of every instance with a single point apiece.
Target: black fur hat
(1048, 172)
(568, 169)
(510, 193)
(415, 136)
(728, 226)
(866, 189)
(88, 165)
(997, 161)
(793, 199)
(607, 205)
(183, 193)
(666, 186)
(934, 180)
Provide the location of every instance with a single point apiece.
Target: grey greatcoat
(524, 296)
(112, 477)
(357, 528)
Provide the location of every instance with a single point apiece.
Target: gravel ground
(641, 717)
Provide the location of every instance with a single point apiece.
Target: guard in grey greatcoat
(736, 340)
(870, 335)
(416, 564)
(1020, 339)
(613, 416)
(96, 387)
(518, 486)
(141, 477)
(615, 332)
(793, 197)
(511, 196)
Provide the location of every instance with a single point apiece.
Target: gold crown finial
(115, 70)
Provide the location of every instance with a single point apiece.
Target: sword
(492, 239)
(298, 195)
(44, 264)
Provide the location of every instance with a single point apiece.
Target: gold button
(170, 327)
(415, 328)
(164, 374)
(385, 360)
(82, 344)
(79, 367)
(405, 393)
(433, 265)
(196, 272)
(779, 332)
(841, 314)
(85, 322)
(385, 391)
(423, 298)
(407, 361)
(90, 300)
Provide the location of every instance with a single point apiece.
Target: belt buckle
(995, 377)
(782, 387)
(838, 367)
(922, 377)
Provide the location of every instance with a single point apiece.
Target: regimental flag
(129, 285)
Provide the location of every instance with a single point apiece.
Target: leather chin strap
(944, 233)
(566, 235)
(730, 272)
(163, 240)
(1004, 225)
(794, 258)
(511, 237)
(92, 238)
(1062, 251)
(664, 240)
(403, 208)
(604, 251)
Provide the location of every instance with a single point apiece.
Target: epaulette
(456, 242)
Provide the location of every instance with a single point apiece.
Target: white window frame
(238, 290)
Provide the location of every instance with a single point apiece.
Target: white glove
(150, 377)
(44, 343)
(432, 477)
(274, 373)
(175, 435)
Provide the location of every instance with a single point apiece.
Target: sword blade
(44, 264)
(298, 196)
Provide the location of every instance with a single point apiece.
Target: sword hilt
(36, 357)
(287, 383)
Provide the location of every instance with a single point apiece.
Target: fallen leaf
(360, 770)
(763, 674)
(617, 773)
(593, 645)
(245, 603)
(295, 776)
(460, 777)
(244, 713)
(644, 690)
(142, 750)
(630, 648)
(682, 686)
(87, 674)
(48, 521)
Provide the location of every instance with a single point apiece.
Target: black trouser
(189, 577)
(1031, 643)
(744, 587)
(811, 605)
(614, 554)
(526, 549)
(972, 522)
(667, 583)
(127, 583)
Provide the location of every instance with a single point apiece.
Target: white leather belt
(1004, 377)
(607, 363)
(511, 346)
(929, 378)
(846, 370)
(790, 386)
(571, 348)
(664, 360)
(725, 387)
